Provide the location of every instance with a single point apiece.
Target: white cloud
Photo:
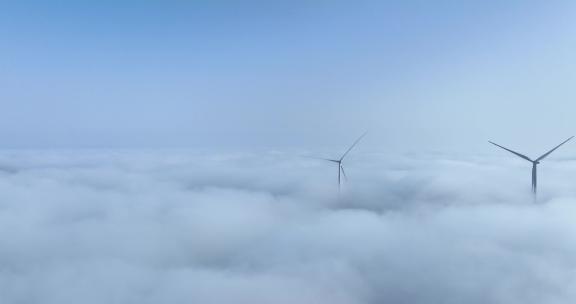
(269, 228)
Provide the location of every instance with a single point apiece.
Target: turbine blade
(548, 153)
(344, 173)
(517, 154)
(353, 145)
(320, 158)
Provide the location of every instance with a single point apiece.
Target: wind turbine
(339, 161)
(534, 162)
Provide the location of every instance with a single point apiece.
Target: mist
(163, 152)
(182, 227)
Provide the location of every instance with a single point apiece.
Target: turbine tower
(339, 161)
(534, 162)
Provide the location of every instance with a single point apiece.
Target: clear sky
(237, 74)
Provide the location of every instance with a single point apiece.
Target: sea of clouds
(181, 227)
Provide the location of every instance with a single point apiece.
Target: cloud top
(97, 227)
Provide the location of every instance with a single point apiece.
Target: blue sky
(237, 74)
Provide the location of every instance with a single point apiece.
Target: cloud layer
(174, 227)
